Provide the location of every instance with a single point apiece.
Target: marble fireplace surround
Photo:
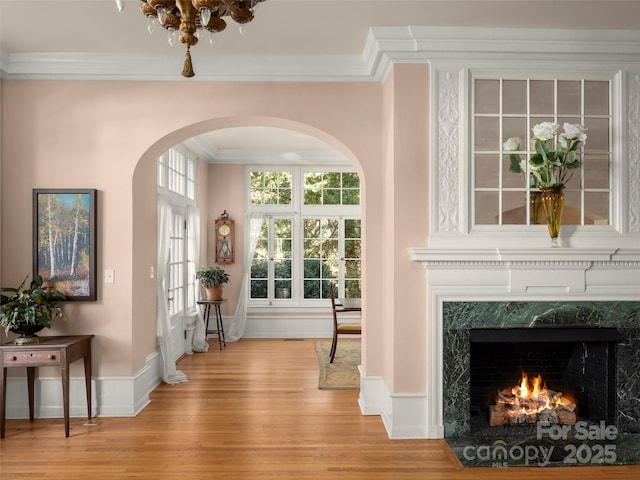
(507, 288)
(461, 317)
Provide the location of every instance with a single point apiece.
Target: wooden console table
(51, 351)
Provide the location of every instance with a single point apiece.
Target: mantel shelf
(506, 256)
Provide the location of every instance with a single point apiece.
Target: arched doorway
(194, 137)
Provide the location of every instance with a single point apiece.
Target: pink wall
(406, 147)
(225, 190)
(108, 135)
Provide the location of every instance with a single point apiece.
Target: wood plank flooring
(251, 411)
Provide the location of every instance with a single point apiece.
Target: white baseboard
(110, 396)
(370, 399)
(285, 326)
(404, 415)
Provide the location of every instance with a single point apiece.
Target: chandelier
(190, 17)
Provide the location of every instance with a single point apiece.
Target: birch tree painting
(64, 240)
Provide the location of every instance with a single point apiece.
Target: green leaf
(554, 159)
(574, 165)
(536, 161)
(514, 163)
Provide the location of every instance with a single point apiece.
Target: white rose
(512, 144)
(545, 131)
(575, 132)
(523, 165)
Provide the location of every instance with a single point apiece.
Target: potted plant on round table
(26, 311)
(212, 279)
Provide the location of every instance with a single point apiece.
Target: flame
(531, 397)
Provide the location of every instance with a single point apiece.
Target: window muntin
(504, 108)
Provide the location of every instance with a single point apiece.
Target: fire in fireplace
(570, 375)
(531, 401)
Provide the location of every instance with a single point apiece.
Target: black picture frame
(64, 240)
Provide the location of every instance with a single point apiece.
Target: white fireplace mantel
(538, 271)
(514, 274)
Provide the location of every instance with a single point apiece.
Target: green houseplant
(212, 279)
(26, 311)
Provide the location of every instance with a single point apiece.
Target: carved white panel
(634, 153)
(448, 151)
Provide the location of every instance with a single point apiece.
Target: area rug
(343, 373)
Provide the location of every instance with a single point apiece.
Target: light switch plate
(109, 275)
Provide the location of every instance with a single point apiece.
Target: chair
(351, 326)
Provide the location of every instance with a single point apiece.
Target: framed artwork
(64, 240)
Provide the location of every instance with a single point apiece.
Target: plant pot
(214, 293)
(27, 333)
(552, 199)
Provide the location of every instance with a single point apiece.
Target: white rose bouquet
(547, 167)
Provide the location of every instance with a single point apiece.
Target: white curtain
(169, 373)
(199, 342)
(254, 224)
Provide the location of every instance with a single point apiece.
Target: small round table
(207, 311)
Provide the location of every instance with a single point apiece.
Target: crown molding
(383, 47)
(274, 157)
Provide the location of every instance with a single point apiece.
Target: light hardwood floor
(251, 411)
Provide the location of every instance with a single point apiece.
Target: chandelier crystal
(189, 17)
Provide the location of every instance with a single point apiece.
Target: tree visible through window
(311, 235)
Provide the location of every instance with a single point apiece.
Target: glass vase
(552, 199)
(536, 213)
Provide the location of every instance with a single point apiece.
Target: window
(270, 188)
(331, 253)
(331, 188)
(508, 107)
(271, 268)
(310, 235)
(176, 173)
(176, 184)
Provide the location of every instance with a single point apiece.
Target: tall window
(505, 108)
(310, 235)
(176, 182)
(271, 269)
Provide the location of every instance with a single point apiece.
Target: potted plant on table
(212, 279)
(26, 311)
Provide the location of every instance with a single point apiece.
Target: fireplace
(558, 375)
(586, 350)
(557, 338)
(472, 285)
